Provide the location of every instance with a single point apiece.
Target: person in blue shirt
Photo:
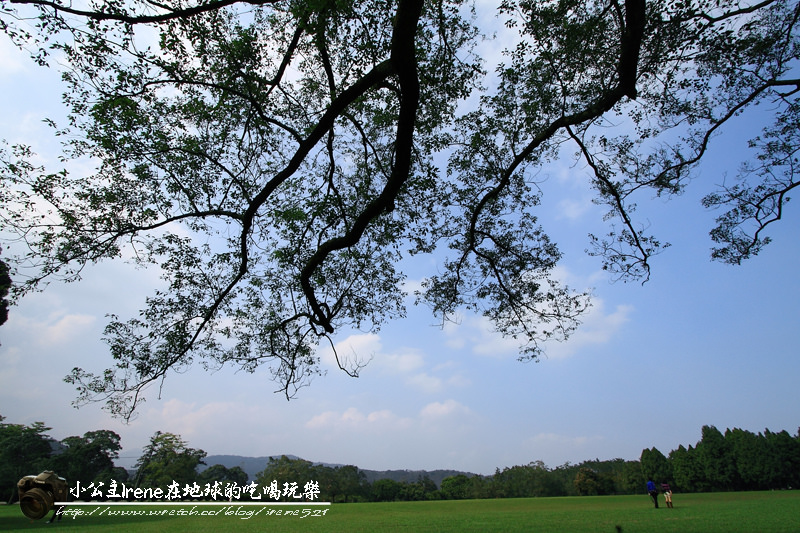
(651, 490)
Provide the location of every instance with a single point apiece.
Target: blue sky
(700, 343)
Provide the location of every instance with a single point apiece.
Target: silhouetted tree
(278, 159)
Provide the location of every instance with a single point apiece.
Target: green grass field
(749, 512)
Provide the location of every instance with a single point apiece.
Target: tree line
(735, 460)
(732, 461)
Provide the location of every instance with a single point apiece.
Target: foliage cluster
(5, 285)
(737, 460)
(28, 450)
(167, 459)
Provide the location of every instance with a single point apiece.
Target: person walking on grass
(665, 488)
(651, 490)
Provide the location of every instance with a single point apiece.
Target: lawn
(747, 512)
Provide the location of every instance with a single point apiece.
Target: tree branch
(610, 189)
(630, 45)
(143, 19)
(403, 63)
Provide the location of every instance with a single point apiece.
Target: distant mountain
(253, 465)
(410, 476)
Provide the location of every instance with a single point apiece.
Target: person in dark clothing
(651, 490)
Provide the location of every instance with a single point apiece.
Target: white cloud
(191, 419)
(478, 332)
(353, 349)
(10, 375)
(437, 410)
(598, 326)
(383, 415)
(425, 382)
(571, 209)
(490, 343)
(403, 362)
(454, 339)
(353, 418)
(322, 420)
(368, 348)
(12, 60)
(67, 328)
(56, 329)
(410, 286)
(459, 380)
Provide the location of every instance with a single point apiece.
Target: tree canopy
(24, 451)
(167, 460)
(27, 450)
(88, 458)
(277, 159)
(222, 474)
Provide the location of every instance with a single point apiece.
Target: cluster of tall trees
(168, 459)
(735, 460)
(27, 449)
